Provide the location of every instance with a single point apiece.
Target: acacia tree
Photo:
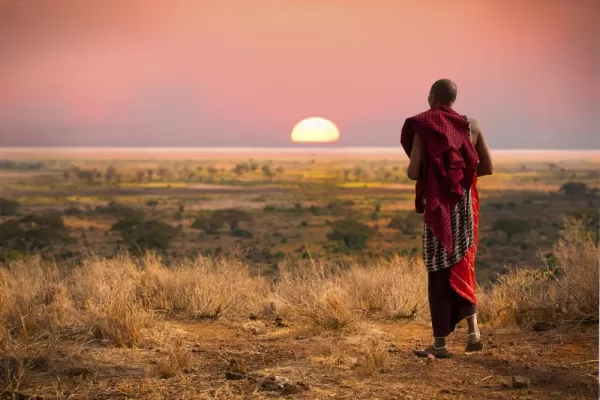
(511, 227)
(352, 233)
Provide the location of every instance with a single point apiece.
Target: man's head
(442, 93)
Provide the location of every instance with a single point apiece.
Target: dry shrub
(317, 293)
(577, 257)
(517, 297)
(107, 291)
(375, 357)
(568, 293)
(34, 300)
(179, 358)
(395, 288)
(202, 288)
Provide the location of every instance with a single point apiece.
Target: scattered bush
(354, 234)
(33, 233)
(574, 189)
(8, 207)
(407, 224)
(511, 227)
(141, 236)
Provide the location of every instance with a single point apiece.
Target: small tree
(33, 233)
(241, 169)
(406, 224)
(267, 172)
(8, 207)
(511, 227)
(110, 173)
(354, 234)
(574, 189)
(141, 236)
(231, 217)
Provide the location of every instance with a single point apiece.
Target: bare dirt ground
(371, 361)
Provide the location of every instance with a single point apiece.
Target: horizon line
(250, 148)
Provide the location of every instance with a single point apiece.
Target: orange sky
(229, 72)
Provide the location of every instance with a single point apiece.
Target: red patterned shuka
(446, 194)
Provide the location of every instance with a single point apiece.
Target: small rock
(237, 369)
(274, 383)
(392, 348)
(300, 337)
(252, 317)
(520, 382)
(543, 326)
(280, 323)
(289, 388)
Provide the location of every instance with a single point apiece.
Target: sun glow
(315, 130)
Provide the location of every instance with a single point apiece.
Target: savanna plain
(203, 274)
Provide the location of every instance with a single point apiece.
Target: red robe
(449, 165)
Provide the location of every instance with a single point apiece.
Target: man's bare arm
(485, 159)
(414, 165)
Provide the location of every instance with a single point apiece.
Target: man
(447, 154)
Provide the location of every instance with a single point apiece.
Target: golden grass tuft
(316, 293)
(566, 294)
(34, 301)
(107, 292)
(375, 356)
(202, 288)
(178, 359)
(331, 298)
(392, 289)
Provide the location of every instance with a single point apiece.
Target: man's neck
(441, 105)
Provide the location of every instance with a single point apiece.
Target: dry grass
(567, 294)
(332, 298)
(316, 293)
(394, 289)
(34, 301)
(375, 357)
(118, 301)
(202, 288)
(179, 358)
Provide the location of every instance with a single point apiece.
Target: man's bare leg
(474, 343)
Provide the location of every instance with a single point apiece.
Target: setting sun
(315, 130)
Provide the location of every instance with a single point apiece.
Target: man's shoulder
(475, 127)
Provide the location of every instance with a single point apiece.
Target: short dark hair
(444, 90)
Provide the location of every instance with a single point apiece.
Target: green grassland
(324, 207)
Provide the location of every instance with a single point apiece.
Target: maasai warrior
(447, 153)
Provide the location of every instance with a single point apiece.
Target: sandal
(437, 352)
(474, 344)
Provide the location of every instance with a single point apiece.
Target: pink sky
(240, 73)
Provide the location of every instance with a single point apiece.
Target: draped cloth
(449, 165)
(446, 194)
